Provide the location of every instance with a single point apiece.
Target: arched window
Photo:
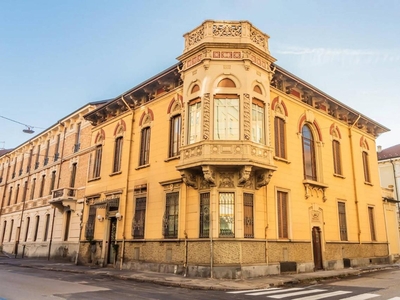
(310, 171)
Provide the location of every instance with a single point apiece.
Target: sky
(56, 56)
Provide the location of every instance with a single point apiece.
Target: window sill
(368, 183)
(94, 179)
(339, 175)
(115, 173)
(281, 159)
(142, 167)
(172, 158)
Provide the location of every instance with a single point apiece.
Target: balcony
(64, 198)
(252, 161)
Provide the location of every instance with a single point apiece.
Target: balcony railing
(65, 197)
(64, 193)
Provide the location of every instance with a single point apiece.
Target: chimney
(379, 149)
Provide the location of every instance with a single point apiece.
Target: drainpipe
(355, 179)
(58, 185)
(395, 186)
(127, 183)
(266, 228)
(185, 265)
(211, 247)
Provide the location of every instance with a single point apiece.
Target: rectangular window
(342, 221)
(9, 196)
(77, 138)
(226, 214)
(56, 149)
(337, 164)
(4, 231)
(366, 167)
(171, 216)
(248, 215)
(22, 164)
(46, 157)
(42, 186)
(37, 157)
(282, 205)
(372, 223)
(52, 181)
(194, 121)
(36, 228)
(73, 175)
(14, 168)
(97, 162)
(226, 119)
(46, 228)
(67, 224)
(28, 220)
(33, 188)
(89, 229)
(257, 122)
(204, 215)
(117, 154)
(28, 167)
(280, 146)
(16, 194)
(139, 218)
(174, 135)
(11, 230)
(25, 191)
(145, 147)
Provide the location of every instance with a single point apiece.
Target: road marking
(251, 291)
(273, 292)
(362, 297)
(394, 298)
(322, 296)
(296, 294)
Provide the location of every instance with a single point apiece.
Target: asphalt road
(27, 283)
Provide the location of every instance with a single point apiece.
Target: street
(29, 283)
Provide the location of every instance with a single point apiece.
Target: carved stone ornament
(227, 30)
(206, 116)
(209, 174)
(226, 180)
(189, 179)
(263, 178)
(244, 175)
(311, 189)
(246, 115)
(195, 37)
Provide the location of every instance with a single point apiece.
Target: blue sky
(56, 56)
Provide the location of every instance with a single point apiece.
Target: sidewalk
(191, 283)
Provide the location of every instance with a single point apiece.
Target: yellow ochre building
(225, 165)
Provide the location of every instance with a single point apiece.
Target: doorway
(111, 257)
(317, 249)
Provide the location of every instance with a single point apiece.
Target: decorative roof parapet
(226, 32)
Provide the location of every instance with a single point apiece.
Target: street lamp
(28, 128)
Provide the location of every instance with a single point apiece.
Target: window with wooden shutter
(139, 218)
(342, 221)
(174, 135)
(337, 163)
(117, 154)
(282, 204)
(145, 147)
(372, 223)
(366, 167)
(280, 147)
(309, 164)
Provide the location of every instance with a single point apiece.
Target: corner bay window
(194, 121)
(257, 122)
(226, 118)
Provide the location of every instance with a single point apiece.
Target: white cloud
(338, 55)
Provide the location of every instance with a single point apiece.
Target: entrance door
(111, 241)
(317, 250)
